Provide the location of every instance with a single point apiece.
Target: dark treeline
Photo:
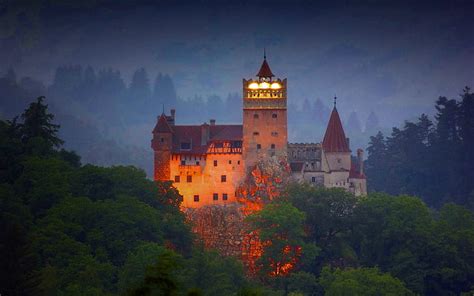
(432, 159)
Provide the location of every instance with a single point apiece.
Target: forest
(431, 159)
(69, 228)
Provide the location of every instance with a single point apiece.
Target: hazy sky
(392, 57)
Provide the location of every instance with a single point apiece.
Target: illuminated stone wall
(206, 178)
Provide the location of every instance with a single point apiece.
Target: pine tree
(38, 132)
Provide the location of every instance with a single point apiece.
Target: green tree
(280, 228)
(328, 222)
(38, 132)
(361, 281)
(394, 233)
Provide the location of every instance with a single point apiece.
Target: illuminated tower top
(265, 92)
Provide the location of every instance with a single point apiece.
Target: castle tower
(264, 116)
(335, 145)
(162, 143)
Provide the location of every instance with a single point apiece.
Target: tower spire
(264, 53)
(335, 99)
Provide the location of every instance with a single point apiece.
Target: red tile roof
(335, 139)
(162, 125)
(192, 134)
(265, 70)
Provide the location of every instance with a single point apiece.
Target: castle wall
(335, 161)
(206, 178)
(265, 128)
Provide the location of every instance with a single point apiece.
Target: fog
(107, 70)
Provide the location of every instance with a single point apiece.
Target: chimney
(204, 134)
(360, 158)
(173, 113)
(212, 121)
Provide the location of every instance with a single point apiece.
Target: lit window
(215, 162)
(177, 179)
(259, 146)
(223, 178)
(189, 178)
(196, 198)
(215, 196)
(224, 196)
(274, 115)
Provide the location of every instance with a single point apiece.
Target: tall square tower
(265, 131)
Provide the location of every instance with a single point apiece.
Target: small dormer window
(185, 146)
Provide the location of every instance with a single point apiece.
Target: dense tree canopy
(430, 159)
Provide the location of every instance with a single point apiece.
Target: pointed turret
(335, 138)
(162, 125)
(265, 71)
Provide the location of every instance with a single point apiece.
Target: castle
(207, 162)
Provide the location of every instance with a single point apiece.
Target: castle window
(274, 134)
(185, 146)
(215, 162)
(274, 115)
(162, 140)
(223, 178)
(197, 162)
(177, 179)
(256, 133)
(272, 146)
(313, 179)
(224, 196)
(183, 162)
(255, 116)
(259, 146)
(196, 198)
(215, 196)
(230, 161)
(189, 178)
(238, 161)
(338, 160)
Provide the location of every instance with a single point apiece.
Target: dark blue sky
(392, 57)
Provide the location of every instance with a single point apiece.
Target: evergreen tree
(377, 154)
(37, 129)
(139, 90)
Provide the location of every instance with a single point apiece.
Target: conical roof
(335, 138)
(162, 125)
(265, 70)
